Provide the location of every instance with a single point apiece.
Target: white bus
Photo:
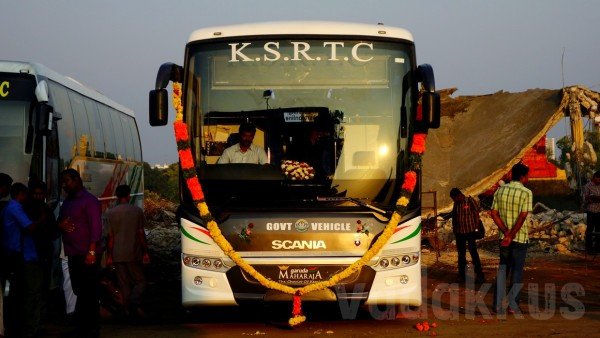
(339, 98)
(51, 122)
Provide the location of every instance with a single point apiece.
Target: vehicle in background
(51, 122)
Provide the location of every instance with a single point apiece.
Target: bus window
(82, 125)
(118, 127)
(109, 132)
(128, 136)
(137, 152)
(97, 140)
(59, 99)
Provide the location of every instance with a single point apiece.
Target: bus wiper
(358, 202)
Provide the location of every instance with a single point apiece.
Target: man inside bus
(244, 151)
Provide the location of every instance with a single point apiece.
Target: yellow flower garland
(224, 245)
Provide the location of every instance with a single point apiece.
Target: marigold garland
(410, 181)
(193, 184)
(418, 143)
(186, 159)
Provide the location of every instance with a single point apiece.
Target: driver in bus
(244, 151)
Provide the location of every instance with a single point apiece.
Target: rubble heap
(162, 233)
(550, 231)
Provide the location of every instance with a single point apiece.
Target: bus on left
(50, 122)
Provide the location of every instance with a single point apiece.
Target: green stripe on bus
(413, 234)
(187, 234)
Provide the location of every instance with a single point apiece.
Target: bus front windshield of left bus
(326, 113)
(16, 93)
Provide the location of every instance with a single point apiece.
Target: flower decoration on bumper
(193, 185)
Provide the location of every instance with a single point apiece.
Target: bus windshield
(16, 93)
(326, 113)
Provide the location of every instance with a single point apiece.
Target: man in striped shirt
(465, 224)
(591, 198)
(512, 203)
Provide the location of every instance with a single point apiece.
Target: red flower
(418, 144)
(410, 181)
(185, 157)
(195, 188)
(297, 309)
(251, 225)
(181, 131)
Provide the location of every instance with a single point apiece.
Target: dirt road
(561, 298)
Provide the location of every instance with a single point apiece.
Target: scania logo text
(297, 245)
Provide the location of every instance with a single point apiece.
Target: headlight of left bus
(204, 263)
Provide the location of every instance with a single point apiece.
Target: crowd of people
(51, 265)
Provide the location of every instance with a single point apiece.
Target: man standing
(244, 151)
(127, 249)
(465, 223)
(81, 223)
(5, 183)
(512, 203)
(25, 270)
(591, 199)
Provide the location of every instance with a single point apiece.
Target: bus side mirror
(431, 109)
(43, 119)
(430, 98)
(159, 111)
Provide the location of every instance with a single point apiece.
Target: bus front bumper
(202, 287)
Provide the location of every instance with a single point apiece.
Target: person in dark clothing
(5, 183)
(80, 220)
(316, 149)
(127, 249)
(44, 235)
(591, 200)
(465, 222)
(25, 271)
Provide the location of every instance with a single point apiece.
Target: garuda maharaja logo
(301, 225)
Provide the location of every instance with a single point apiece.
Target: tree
(164, 182)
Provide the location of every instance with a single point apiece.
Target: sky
(479, 47)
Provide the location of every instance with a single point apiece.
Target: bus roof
(37, 69)
(301, 28)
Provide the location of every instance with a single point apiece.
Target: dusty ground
(570, 308)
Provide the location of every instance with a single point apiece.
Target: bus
(334, 106)
(51, 122)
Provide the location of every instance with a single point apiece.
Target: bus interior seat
(233, 138)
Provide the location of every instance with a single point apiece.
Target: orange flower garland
(418, 145)
(410, 181)
(193, 185)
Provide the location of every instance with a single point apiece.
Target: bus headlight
(204, 263)
(398, 261)
(405, 259)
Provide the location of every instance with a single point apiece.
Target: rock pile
(162, 233)
(550, 230)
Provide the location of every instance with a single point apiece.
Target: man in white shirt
(244, 151)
